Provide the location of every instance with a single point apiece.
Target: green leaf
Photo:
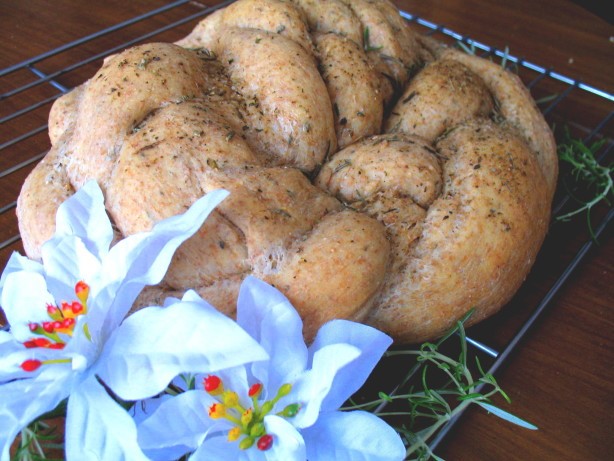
(507, 416)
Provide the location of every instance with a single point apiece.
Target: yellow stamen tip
(234, 434)
(230, 398)
(247, 416)
(217, 410)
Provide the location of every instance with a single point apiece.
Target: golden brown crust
(399, 162)
(443, 95)
(274, 16)
(336, 271)
(45, 188)
(353, 88)
(405, 230)
(478, 239)
(63, 113)
(331, 16)
(390, 41)
(122, 93)
(291, 116)
(518, 108)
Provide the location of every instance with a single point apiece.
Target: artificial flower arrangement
(183, 381)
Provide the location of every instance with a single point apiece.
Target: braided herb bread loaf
(375, 174)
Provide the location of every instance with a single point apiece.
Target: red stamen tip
(82, 290)
(212, 383)
(31, 365)
(265, 442)
(68, 323)
(33, 327)
(255, 390)
(41, 342)
(48, 327)
(76, 307)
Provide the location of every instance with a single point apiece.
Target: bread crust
(374, 174)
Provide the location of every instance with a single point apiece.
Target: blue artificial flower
(67, 339)
(285, 408)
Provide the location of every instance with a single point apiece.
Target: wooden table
(560, 376)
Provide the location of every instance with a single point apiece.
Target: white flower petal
(25, 400)
(313, 387)
(67, 260)
(83, 215)
(8, 345)
(14, 353)
(5, 337)
(24, 300)
(143, 409)
(17, 263)
(288, 443)
(220, 449)
(155, 344)
(267, 315)
(97, 428)
(170, 301)
(142, 259)
(83, 341)
(177, 426)
(79, 363)
(372, 344)
(353, 436)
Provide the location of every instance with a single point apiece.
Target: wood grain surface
(560, 376)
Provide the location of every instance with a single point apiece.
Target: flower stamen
(234, 434)
(62, 322)
(54, 312)
(82, 290)
(34, 364)
(213, 385)
(31, 365)
(248, 422)
(217, 411)
(265, 442)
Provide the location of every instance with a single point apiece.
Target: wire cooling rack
(30, 87)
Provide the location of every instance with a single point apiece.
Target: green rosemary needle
(426, 408)
(587, 173)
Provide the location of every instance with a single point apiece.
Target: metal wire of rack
(23, 150)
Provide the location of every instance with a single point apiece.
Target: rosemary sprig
(467, 48)
(587, 172)
(507, 62)
(367, 41)
(547, 99)
(36, 440)
(426, 408)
